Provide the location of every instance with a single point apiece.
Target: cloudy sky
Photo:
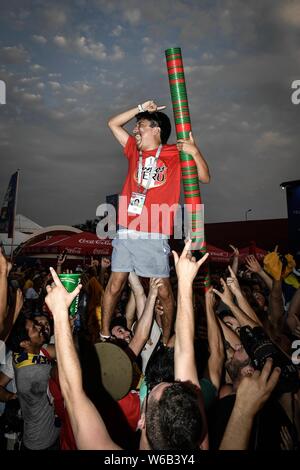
(70, 65)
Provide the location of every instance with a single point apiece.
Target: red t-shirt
(164, 189)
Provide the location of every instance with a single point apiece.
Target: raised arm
(189, 146)
(60, 261)
(88, 427)
(184, 355)
(138, 292)
(240, 315)
(116, 123)
(144, 323)
(230, 336)
(215, 341)
(251, 395)
(253, 266)
(235, 261)
(243, 303)
(130, 311)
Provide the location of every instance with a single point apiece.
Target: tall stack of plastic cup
(192, 197)
(70, 282)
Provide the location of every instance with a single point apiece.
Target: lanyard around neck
(153, 168)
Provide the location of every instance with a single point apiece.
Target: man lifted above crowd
(153, 179)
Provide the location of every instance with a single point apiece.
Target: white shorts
(147, 258)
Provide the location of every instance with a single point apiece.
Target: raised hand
(61, 258)
(235, 250)
(155, 283)
(186, 265)
(151, 106)
(58, 299)
(233, 282)
(252, 264)
(253, 391)
(210, 298)
(226, 295)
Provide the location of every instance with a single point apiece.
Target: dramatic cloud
(13, 55)
(70, 66)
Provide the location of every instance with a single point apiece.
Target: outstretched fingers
(202, 260)
(232, 274)
(55, 277)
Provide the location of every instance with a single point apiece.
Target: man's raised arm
(116, 123)
(186, 269)
(88, 427)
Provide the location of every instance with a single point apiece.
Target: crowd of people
(224, 380)
(150, 361)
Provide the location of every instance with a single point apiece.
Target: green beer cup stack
(70, 282)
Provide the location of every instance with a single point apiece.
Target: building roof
(25, 225)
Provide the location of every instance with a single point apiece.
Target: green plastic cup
(70, 282)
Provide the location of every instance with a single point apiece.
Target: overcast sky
(70, 65)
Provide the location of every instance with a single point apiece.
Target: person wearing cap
(153, 178)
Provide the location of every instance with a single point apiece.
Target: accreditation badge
(137, 201)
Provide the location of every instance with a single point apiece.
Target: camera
(259, 347)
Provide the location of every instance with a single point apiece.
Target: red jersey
(163, 194)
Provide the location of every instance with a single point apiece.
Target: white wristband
(104, 336)
(140, 108)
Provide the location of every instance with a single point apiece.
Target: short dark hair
(160, 367)
(225, 313)
(175, 420)
(157, 119)
(119, 320)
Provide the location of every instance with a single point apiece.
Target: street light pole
(246, 214)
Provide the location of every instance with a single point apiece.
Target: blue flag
(7, 212)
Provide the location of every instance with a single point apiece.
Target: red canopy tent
(217, 255)
(44, 246)
(88, 244)
(84, 243)
(252, 249)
